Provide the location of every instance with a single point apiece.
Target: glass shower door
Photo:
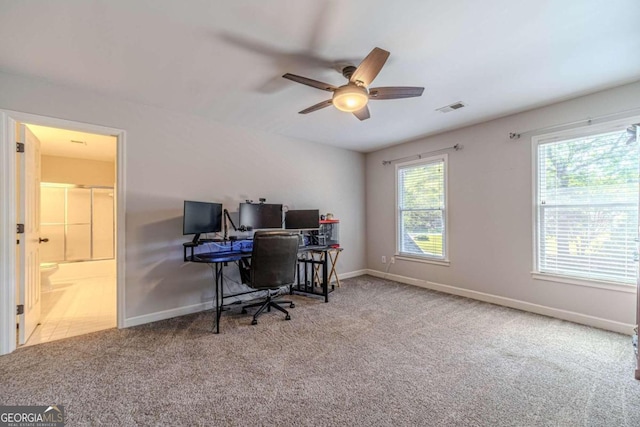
(78, 245)
(103, 220)
(52, 223)
(78, 221)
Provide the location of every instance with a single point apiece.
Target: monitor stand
(196, 238)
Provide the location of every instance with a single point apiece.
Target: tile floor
(76, 308)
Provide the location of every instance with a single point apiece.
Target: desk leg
(325, 277)
(334, 260)
(218, 268)
(306, 273)
(297, 279)
(316, 268)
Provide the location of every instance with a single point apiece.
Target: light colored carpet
(379, 354)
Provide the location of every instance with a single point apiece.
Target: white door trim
(8, 221)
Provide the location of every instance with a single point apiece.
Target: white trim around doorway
(8, 170)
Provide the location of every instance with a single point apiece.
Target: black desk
(219, 259)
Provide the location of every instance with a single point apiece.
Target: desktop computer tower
(329, 233)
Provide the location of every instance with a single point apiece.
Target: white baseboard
(351, 274)
(557, 313)
(183, 311)
(571, 316)
(167, 314)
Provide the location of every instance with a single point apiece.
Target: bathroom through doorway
(101, 252)
(76, 238)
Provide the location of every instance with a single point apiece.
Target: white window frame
(444, 260)
(537, 140)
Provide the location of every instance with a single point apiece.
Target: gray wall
(172, 157)
(490, 209)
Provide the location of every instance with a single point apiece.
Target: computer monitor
(306, 219)
(260, 215)
(201, 217)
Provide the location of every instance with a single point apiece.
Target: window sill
(444, 262)
(611, 286)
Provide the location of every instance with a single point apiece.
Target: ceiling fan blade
(310, 82)
(395, 92)
(363, 113)
(320, 25)
(370, 66)
(318, 106)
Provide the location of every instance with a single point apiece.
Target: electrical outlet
(384, 259)
(393, 260)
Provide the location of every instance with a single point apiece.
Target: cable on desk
(224, 276)
(217, 245)
(231, 280)
(213, 271)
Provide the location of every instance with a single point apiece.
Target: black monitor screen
(201, 217)
(302, 219)
(260, 215)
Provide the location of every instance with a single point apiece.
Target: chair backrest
(274, 259)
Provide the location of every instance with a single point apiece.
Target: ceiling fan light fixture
(350, 98)
(354, 96)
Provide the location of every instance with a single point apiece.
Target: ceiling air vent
(455, 106)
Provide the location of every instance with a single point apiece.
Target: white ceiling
(223, 59)
(78, 145)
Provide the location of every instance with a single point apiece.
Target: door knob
(41, 240)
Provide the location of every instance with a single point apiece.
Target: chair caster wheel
(288, 317)
(254, 322)
(292, 305)
(243, 311)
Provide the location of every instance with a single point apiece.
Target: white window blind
(421, 208)
(587, 219)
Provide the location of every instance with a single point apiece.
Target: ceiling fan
(354, 96)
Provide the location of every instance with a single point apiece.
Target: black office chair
(273, 265)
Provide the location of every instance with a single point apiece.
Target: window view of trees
(421, 203)
(588, 206)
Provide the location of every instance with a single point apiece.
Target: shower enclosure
(78, 221)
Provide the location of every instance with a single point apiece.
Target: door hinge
(20, 229)
(20, 309)
(19, 147)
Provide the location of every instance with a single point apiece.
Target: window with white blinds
(587, 206)
(421, 208)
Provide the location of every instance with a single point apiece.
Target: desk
(311, 283)
(219, 259)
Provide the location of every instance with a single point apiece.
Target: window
(421, 208)
(587, 205)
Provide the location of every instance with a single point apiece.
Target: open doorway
(79, 232)
(77, 226)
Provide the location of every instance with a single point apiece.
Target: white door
(28, 249)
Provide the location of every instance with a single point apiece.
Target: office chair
(273, 265)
